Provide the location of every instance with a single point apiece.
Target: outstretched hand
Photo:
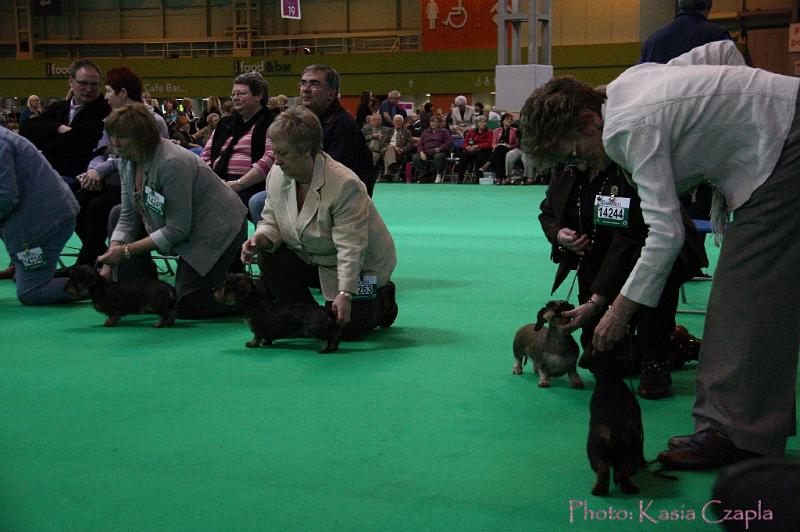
(571, 240)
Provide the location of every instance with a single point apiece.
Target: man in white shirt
(703, 114)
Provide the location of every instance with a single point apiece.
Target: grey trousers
(745, 384)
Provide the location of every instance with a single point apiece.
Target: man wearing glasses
(342, 138)
(68, 131)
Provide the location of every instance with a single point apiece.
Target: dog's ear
(539, 320)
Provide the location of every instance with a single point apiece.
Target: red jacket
(513, 137)
(482, 139)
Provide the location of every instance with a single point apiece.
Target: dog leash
(574, 278)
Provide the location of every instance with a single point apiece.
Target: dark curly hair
(555, 112)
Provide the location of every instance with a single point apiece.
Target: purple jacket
(430, 140)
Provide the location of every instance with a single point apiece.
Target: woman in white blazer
(320, 228)
(182, 208)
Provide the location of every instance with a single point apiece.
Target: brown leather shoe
(679, 442)
(683, 347)
(707, 449)
(9, 272)
(656, 382)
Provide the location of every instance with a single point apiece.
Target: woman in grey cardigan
(180, 206)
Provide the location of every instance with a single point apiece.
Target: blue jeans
(38, 287)
(256, 205)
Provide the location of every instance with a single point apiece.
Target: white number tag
(153, 200)
(367, 287)
(31, 259)
(611, 210)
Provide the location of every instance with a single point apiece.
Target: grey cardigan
(201, 215)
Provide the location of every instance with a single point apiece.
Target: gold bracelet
(239, 182)
(126, 252)
(346, 294)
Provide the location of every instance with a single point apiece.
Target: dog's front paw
(544, 383)
(517, 369)
(326, 349)
(577, 383)
(600, 491)
(111, 321)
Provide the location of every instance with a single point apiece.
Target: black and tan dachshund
(270, 320)
(137, 296)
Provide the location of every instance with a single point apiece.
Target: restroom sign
(794, 37)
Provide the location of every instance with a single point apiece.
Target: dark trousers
(652, 326)
(498, 159)
(92, 221)
(289, 280)
(195, 292)
(479, 157)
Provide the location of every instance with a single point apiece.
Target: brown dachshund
(554, 352)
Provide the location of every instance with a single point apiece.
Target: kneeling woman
(319, 228)
(180, 205)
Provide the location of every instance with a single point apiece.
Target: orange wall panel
(457, 24)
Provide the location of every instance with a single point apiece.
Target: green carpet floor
(418, 427)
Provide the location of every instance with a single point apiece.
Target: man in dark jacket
(342, 138)
(68, 131)
(689, 29)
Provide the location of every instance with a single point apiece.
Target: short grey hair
(393, 94)
(300, 128)
(694, 5)
(460, 100)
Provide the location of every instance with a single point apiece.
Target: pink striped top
(240, 158)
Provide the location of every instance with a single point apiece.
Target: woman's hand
(250, 248)
(113, 256)
(91, 181)
(578, 316)
(341, 306)
(569, 239)
(614, 324)
(423, 156)
(106, 271)
(233, 185)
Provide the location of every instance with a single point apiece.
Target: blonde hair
(300, 127)
(135, 123)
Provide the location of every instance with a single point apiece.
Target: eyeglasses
(85, 83)
(310, 84)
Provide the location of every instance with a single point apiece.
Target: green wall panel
(408, 72)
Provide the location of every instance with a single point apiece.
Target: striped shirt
(240, 163)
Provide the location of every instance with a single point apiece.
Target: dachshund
(270, 320)
(139, 296)
(553, 350)
(616, 435)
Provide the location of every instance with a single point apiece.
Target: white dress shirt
(703, 114)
